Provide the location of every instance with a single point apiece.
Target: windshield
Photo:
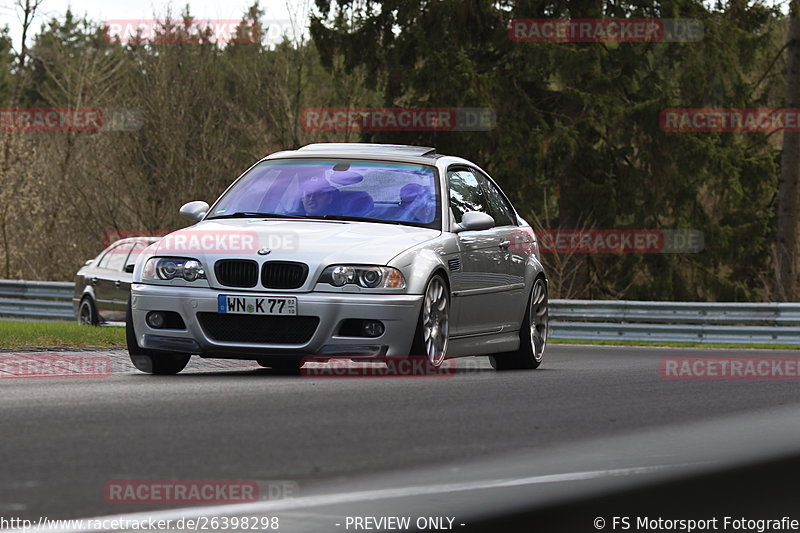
(336, 189)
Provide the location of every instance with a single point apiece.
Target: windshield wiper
(256, 214)
(253, 214)
(363, 219)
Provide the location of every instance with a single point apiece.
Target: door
(479, 285)
(516, 246)
(100, 279)
(123, 287)
(109, 280)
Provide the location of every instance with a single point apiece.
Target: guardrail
(36, 299)
(730, 323)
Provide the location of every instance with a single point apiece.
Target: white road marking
(267, 507)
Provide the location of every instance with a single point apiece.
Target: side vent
(454, 264)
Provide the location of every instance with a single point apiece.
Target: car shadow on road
(353, 373)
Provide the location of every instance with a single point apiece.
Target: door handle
(504, 245)
(94, 281)
(117, 283)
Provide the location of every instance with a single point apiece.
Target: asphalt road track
(591, 419)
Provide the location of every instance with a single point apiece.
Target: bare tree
(788, 202)
(10, 181)
(563, 268)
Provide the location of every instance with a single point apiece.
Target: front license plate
(250, 305)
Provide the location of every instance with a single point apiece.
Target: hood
(313, 242)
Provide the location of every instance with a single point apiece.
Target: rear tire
(533, 334)
(87, 312)
(150, 361)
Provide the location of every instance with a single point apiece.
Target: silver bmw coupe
(343, 250)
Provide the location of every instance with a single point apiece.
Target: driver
(415, 200)
(320, 198)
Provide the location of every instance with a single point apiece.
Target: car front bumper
(399, 314)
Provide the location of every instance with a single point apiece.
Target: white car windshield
(336, 189)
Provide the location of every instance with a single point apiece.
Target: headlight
(369, 277)
(167, 268)
(193, 270)
(342, 275)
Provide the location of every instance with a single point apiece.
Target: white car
(338, 250)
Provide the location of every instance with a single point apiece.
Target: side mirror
(194, 211)
(129, 268)
(89, 262)
(474, 221)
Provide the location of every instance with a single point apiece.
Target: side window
(115, 258)
(138, 247)
(103, 263)
(465, 193)
(498, 206)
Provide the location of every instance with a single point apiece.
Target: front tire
(149, 361)
(433, 326)
(532, 334)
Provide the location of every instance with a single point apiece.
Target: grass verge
(551, 340)
(14, 334)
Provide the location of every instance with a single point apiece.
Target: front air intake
(283, 275)
(241, 273)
